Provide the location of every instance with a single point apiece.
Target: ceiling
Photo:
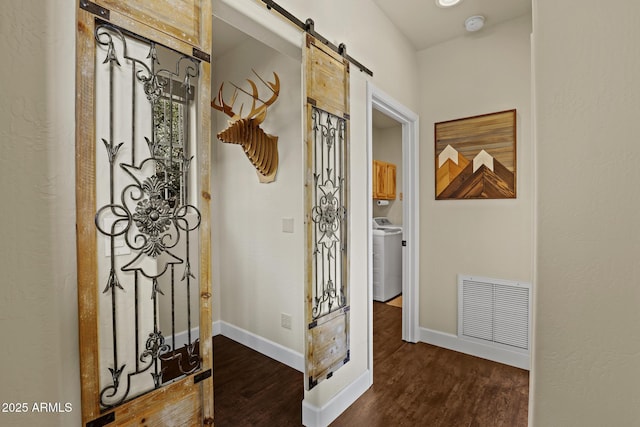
(426, 24)
(421, 21)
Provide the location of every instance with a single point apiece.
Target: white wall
(587, 351)
(260, 268)
(387, 146)
(39, 339)
(479, 73)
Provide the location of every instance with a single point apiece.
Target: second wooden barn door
(326, 211)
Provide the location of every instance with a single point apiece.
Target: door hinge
(95, 9)
(312, 383)
(204, 56)
(201, 376)
(404, 243)
(103, 420)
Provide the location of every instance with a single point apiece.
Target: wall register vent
(495, 312)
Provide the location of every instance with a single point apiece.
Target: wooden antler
(222, 106)
(258, 113)
(260, 148)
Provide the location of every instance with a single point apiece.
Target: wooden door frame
(86, 233)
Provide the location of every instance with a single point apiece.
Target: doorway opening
(383, 108)
(257, 228)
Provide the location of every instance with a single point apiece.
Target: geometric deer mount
(261, 148)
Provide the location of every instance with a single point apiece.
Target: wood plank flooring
(251, 389)
(414, 385)
(424, 385)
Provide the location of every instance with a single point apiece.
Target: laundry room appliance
(387, 259)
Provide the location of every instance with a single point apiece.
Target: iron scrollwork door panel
(148, 262)
(142, 190)
(327, 195)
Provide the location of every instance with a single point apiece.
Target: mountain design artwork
(482, 178)
(475, 157)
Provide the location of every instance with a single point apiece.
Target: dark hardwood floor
(414, 385)
(250, 389)
(424, 385)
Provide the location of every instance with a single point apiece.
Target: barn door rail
(307, 26)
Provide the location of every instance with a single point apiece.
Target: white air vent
(495, 312)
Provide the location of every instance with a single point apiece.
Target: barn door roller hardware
(308, 27)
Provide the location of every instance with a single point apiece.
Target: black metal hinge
(204, 56)
(201, 376)
(95, 9)
(404, 243)
(103, 420)
(312, 383)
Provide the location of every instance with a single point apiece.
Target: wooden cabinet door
(379, 178)
(326, 211)
(384, 180)
(142, 212)
(391, 181)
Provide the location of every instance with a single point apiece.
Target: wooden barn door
(326, 200)
(142, 207)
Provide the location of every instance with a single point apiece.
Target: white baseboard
(452, 342)
(312, 416)
(262, 345)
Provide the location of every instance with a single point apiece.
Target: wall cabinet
(384, 180)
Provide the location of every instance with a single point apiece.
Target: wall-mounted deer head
(260, 147)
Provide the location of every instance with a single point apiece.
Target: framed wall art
(475, 157)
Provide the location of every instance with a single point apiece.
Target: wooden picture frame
(475, 157)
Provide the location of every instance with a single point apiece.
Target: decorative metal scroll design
(148, 210)
(328, 213)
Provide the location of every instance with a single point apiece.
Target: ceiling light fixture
(474, 23)
(447, 3)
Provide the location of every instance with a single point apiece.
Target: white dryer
(387, 259)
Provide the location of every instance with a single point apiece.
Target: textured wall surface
(387, 146)
(587, 350)
(38, 336)
(260, 267)
(476, 74)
